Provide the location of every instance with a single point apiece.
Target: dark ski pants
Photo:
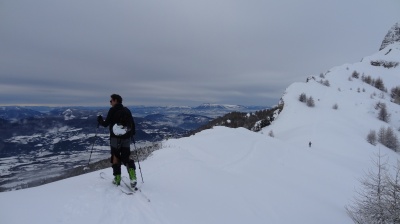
(120, 153)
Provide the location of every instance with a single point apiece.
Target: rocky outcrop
(392, 36)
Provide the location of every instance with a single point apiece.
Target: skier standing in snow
(122, 129)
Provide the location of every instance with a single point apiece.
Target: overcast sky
(179, 52)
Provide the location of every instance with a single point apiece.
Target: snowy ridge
(227, 175)
(219, 106)
(68, 114)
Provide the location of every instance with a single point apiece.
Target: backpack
(124, 122)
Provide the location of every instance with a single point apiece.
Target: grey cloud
(178, 52)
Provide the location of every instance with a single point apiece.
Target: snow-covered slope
(217, 176)
(356, 101)
(227, 175)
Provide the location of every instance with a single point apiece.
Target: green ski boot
(132, 177)
(117, 180)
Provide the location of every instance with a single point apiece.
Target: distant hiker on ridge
(122, 129)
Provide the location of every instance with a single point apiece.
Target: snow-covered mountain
(227, 175)
(14, 113)
(207, 106)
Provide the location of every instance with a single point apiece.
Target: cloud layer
(178, 52)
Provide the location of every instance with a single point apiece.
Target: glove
(100, 119)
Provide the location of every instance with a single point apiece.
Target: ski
(126, 181)
(122, 189)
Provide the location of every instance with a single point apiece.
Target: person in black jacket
(122, 129)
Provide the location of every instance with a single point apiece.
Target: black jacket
(113, 119)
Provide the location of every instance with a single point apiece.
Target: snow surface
(232, 176)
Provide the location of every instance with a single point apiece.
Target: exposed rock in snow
(392, 36)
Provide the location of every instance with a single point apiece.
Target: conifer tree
(310, 102)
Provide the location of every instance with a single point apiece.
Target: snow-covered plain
(231, 176)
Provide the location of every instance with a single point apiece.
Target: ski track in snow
(111, 206)
(218, 176)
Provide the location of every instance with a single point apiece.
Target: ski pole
(94, 141)
(137, 157)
